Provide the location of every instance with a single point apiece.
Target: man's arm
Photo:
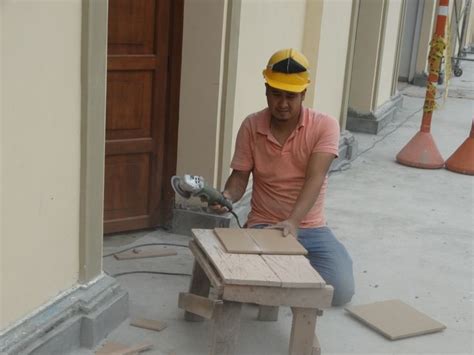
(316, 172)
(236, 185)
(234, 188)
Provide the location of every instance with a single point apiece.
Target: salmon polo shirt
(279, 170)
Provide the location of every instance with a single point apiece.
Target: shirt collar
(263, 125)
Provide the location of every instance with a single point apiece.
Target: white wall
(389, 52)
(40, 144)
(201, 87)
(217, 93)
(332, 54)
(266, 26)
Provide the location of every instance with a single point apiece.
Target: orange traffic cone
(421, 150)
(462, 160)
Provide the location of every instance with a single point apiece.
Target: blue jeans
(330, 259)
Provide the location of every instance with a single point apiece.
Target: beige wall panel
(389, 53)
(1, 164)
(201, 85)
(266, 26)
(40, 152)
(332, 54)
(427, 27)
(470, 27)
(311, 40)
(365, 62)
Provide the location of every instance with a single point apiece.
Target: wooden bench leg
(199, 286)
(268, 313)
(302, 331)
(225, 329)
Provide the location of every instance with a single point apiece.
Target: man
(289, 149)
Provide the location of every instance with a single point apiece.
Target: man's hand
(288, 227)
(218, 208)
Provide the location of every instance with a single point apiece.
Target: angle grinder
(194, 186)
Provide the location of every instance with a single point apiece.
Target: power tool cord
(147, 272)
(144, 245)
(236, 218)
(348, 165)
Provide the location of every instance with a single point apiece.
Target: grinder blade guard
(186, 186)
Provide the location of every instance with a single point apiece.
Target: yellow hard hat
(287, 70)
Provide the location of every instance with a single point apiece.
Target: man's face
(284, 105)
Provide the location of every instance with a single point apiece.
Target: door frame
(166, 204)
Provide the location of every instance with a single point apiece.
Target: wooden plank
(268, 313)
(237, 241)
(135, 349)
(272, 241)
(275, 296)
(302, 331)
(141, 254)
(199, 305)
(148, 324)
(225, 329)
(111, 347)
(258, 241)
(395, 319)
(235, 269)
(199, 285)
(294, 271)
(206, 266)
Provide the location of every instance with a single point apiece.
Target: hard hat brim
(274, 80)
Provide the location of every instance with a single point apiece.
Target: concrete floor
(410, 233)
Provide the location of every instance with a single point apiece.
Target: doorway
(143, 75)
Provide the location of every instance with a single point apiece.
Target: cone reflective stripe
(462, 160)
(421, 151)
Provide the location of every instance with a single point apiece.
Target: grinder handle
(224, 202)
(212, 196)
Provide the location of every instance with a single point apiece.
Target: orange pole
(433, 76)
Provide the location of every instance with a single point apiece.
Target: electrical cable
(148, 272)
(347, 165)
(144, 245)
(236, 218)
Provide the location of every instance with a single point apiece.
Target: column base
(373, 122)
(82, 318)
(347, 150)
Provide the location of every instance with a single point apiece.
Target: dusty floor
(410, 233)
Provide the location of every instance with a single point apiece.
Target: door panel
(127, 193)
(129, 104)
(137, 113)
(131, 26)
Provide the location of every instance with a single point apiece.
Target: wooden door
(144, 50)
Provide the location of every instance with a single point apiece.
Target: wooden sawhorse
(267, 280)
